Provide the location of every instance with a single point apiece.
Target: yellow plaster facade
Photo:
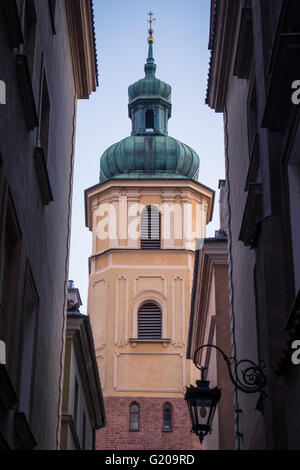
(123, 277)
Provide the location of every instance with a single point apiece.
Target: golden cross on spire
(150, 14)
(150, 21)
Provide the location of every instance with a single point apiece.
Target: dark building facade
(47, 52)
(254, 66)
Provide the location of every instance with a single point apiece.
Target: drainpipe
(64, 310)
(237, 410)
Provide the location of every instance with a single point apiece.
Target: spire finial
(150, 66)
(150, 31)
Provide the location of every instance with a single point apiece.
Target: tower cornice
(105, 188)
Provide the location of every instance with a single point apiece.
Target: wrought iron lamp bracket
(249, 379)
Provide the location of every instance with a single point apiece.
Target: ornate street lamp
(202, 401)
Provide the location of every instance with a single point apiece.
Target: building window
(30, 22)
(10, 248)
(28, 348)
(149, 120)
(150, 228)
(75, 411)
(167, 418)
(45, 117)
(149, 322)
(134, 417)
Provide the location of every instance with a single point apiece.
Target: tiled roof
(211, 44)
(94, 37)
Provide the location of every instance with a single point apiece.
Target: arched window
(167, 418)
(150, 228)
(134, 417)
(149, 119)
(149, 322)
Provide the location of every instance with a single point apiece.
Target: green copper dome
(149, 87)
(149, 153)
(149, 157)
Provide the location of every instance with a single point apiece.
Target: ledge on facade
(25, 86)
(83, 46)
(163, 341)
(254, 164)
(136, 250)
(252, 215)
(8, 396)
(244, 51)
(24, 432)
(43, 176)
(12, 21)
(285, 68)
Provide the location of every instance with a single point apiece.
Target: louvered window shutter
(149, 322)
(150, 229)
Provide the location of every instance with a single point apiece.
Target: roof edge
(224, 15)
(81, 24)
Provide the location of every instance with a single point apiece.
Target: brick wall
(116, 434)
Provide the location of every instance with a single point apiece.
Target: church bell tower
(145, 215)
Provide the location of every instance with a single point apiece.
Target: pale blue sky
(180, 50)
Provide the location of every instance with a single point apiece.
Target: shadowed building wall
(254, 63)
(47, 55)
